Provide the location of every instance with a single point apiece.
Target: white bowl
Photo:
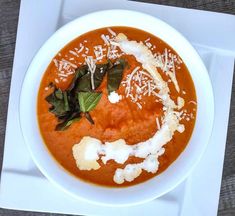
(154, 187)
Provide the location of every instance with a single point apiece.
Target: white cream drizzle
(150, 149)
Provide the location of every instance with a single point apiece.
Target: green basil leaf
(65, 125)
(81, 71)
(84, 83)
(58, 110)
(66, 121)
(88, 100)
(59, 94)
(58, 106)
(115, 75)
(109, 65)
(66, 103)
(99, 76)
(79, 97)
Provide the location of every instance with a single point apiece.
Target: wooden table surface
(9, 11)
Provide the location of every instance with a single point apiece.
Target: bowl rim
(24, 91)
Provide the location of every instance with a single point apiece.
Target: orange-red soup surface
(122, 120)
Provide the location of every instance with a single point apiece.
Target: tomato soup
(136, 111)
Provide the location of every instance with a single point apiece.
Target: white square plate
(23, 187)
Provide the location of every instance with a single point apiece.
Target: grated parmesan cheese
(90, 150)
(105, 39)
(112, 32)
(92, 66)
(73, 53)
(192, 102)
(158, 123)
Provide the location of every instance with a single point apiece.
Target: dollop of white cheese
(114, 97)
(86, 153)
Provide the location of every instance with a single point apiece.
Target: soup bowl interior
(154, 187)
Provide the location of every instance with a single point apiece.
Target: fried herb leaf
(58, 101)
(81, 71)
(115, 75)
(59, 94)
(89, 118)
(66, 103)
(88, 100)
(64, 125)
(79, 97)
(84, 83)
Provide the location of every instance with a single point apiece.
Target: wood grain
(9, 10)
